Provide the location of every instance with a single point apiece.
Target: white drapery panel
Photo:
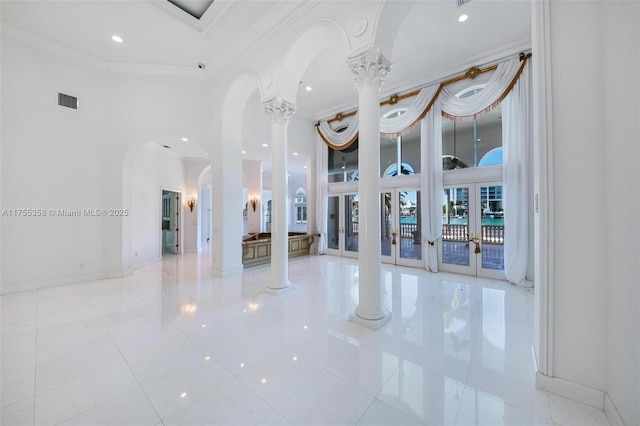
(475, 106)
(431, 193)
(515, 145)
(398, 126)
(321, 195)
(339, 140)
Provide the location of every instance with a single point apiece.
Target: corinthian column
(369, 71)
(280, 112)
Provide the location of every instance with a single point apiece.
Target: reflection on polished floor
(172, 345)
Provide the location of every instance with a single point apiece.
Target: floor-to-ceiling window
(472, 210)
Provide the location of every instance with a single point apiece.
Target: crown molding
(27, 37)
(59, 49)
(151, 69)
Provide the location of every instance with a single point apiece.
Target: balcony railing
(407, 229)
(455, 232)
(491, 234)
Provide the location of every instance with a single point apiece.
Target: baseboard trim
(612, 412)
(53, 283)
(11, 289)
(127, 272)
(147, 262)
(227, 272)
(585, 395)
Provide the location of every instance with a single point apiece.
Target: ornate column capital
(370, 68)
(279, 110)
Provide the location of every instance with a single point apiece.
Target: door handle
(393, 235)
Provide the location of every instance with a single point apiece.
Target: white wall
(294, 184)
(192, 170)
(52, 159)
(60, 158)
(205, 216)
(252, 177)
(151, 108)
(594, 69)
(580, 220)
(622, 140)
(155, 169)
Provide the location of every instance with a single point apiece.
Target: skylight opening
(195, 8)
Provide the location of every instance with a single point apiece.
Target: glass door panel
(387, 248)
(333, 225)
(473, 230)
(342, 225)
(457, 221)
(410, 234)
(491, 233)
(401, 236)
(351, 224)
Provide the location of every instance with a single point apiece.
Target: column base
(281, 290)
(375, 323)
(227, 272)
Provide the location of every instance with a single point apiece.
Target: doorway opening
(473, 229)
(170, 221)
(401, 236)
(342, 225)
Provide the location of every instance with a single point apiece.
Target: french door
(400, 227)
(342, 225)
(473, 229)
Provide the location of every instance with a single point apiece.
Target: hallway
(173, 345)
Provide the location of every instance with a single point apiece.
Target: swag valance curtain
(454, 108)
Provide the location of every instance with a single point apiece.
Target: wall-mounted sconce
(253, 202)
(191, 202)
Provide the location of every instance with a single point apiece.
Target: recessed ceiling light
(305, 167)
(265, 145)
(308, 88)
(116, 38)
(184, 139)
(463, 18)
(243, 151)
(295, 153)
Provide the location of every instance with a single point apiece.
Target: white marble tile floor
(172, 345)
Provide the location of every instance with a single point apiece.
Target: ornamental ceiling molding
(279, 110)
(370, 68)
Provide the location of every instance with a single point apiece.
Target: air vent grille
(67, 101)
